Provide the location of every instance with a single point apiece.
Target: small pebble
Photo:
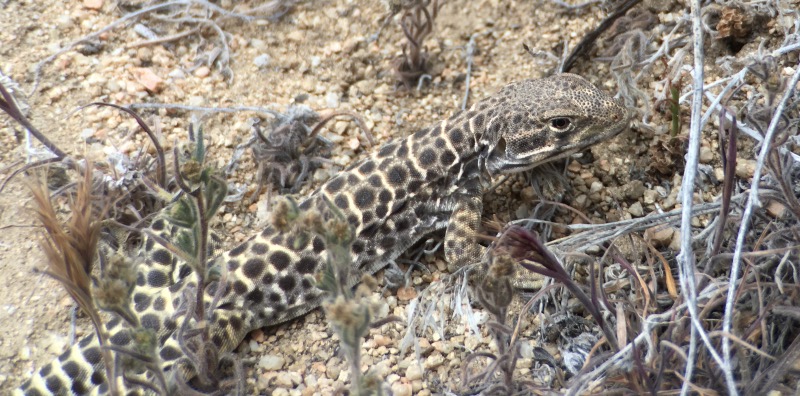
(706, 155)
(93, 4)
(659, 236)
(636, 209)
(414, 372)
(776, 209)
(148, 78)
(177, 74)
(202, 72)
(262, 60)
(332, 100)
(24, 353)
(401, 389)
(296, 35)
(271, 362)
(288, 379)
(258, 44)
(745, 168)
(433, 361)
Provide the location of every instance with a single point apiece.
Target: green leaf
(200, 148)
(327, 279)
(185, 241)
(183, 213)
(302, 239)
(216, 190)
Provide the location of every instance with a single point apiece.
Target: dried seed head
(113, 290)
(339, 231)
(502, 266)
(311, 220)
(282, 215)
(342, 311)
(191, 171)
(495, 292)
(369, 281)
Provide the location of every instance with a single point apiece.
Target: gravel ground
(320, 54)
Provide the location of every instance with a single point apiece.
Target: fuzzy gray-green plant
(350, 312)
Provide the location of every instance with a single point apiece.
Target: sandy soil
(318, 50)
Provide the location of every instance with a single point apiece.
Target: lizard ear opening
(500, 147)
(494, 156)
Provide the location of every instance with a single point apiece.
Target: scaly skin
(408, 189)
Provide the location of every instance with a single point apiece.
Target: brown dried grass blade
(71, 248)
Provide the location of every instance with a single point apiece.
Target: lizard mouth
(504, 164)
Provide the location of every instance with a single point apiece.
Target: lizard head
(532, 122)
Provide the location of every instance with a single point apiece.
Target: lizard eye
(560, 123)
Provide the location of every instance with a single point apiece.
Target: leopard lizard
(432, 180)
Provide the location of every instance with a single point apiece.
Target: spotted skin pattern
(408, 189)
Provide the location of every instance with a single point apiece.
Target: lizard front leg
(460, 241)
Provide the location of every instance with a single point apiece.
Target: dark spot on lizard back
(162, 256)
(402, 150)
(121, 338)
(388, 243)
(159, 304)
(259, 248)
(364, 198)
(387, 150)
(318, 244)
(253, 268)
(72, 369)
(170, 353)
(156, 278)
(367, 167)
(236, 323)
(306, 283)
(97, 379)
(427, 157)
(367, 217)
(92, 355)
(279, 260)
(341, 201)
(158, 225)
(141, 302)
(384, 196)
(239, 287)
(152, 322)
(237, 250)
(456, 136)
(255, 296)
(447, 159)
(287, 283)
(306, 265)
(375, 181)
(54, 384)
(274, 297)
(397, 175)
(402, 224)
(335, 185)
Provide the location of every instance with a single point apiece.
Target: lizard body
(409, 188)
